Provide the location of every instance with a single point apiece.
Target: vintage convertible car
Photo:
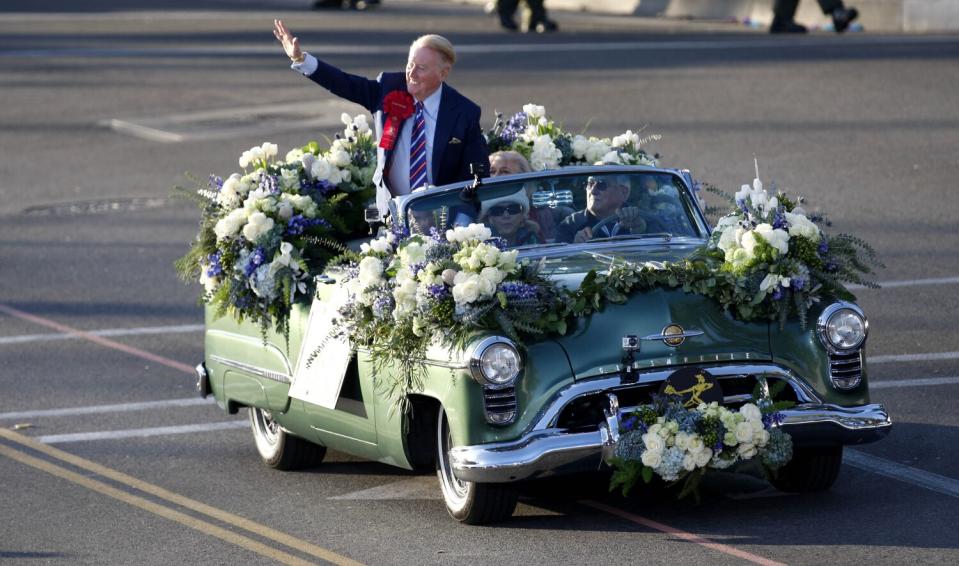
(494, 412)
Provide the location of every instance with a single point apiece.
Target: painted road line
(140, 432)
(96, 339)
(929, 357)
(155, 508)
(175, 498)
(901, 472)
(261, 50)
(99, 409)
(917, 382)
(908, 283)
(178, 329)
(694, 538)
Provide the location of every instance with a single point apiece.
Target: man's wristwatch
(301, 59)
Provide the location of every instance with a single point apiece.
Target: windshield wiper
(664, 235)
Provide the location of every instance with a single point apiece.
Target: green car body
(564, 406)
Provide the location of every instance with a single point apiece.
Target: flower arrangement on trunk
(547, 146)
(266, 231)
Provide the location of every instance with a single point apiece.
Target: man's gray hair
(437, 43)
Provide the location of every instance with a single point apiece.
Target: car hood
(595, 344)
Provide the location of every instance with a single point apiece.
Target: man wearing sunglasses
(605, 197)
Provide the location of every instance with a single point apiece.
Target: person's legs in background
(538, 21)
(506, 10)
(841, 16)
(783, 13)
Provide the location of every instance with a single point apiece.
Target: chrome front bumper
(553, 451)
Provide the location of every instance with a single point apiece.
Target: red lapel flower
(397, 106)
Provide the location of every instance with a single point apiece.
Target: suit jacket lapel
(444, 126)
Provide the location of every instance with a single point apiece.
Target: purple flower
(500, 243)
(798, 283)
(322, 187)
(778, 293)
(830, 267)
(215, 183)
(438, 292)
(515, 290)
(215, 268)
(823, 248)
(268, 183)
(401, 232)
(417, 267)
(629, 423)
(514, 127)
(779, 221)
(298, 224)
(255, 260)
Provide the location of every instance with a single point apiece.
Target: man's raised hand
(290, 44)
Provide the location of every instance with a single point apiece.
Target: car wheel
(811, 469)
(469, 502)
(278, 448)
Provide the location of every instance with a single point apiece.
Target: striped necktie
(418, 149)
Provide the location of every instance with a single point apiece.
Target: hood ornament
(673, 335)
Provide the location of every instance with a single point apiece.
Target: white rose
(321, 169)
(703, 457)
(654, 442)
(294, 154)
(696, 445)
(751, 412)
(449, 275)
(612, 158)
(284, 210)
(762, 437)
(466, 291)
(743, 193)
(380, 245)
(652, 459)
(744, 432)
(580, 146)
(346, 119)
(493, 275)
(245, 159)
(257, 225)
(413, 253)
(682, 441)
(336, 176)
(746, 451)
(689, 462)
(371, 269)
(799, 225)
(289, 179)
(340, 158)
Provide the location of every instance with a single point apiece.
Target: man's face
(604, 195)
(425, 72)
(500, 165)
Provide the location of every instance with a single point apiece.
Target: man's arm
(360, 90)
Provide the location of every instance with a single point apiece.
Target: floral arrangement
(667, 440)
(266, 230)
(404, 293)
(532, 133)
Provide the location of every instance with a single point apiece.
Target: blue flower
(269, 184)
(798, 283)
(215, 183)
(215, 268)
(438, 292)
(823, 248)
(515, 290)
(255, 260)
(297, 224)
(778, 293)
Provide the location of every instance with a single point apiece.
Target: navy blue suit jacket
(457, 142)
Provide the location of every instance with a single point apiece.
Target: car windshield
(565, 209)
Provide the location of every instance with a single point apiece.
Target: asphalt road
(104, 106)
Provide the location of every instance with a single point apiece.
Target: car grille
(500, 405)
(586, 412)
(845, 370)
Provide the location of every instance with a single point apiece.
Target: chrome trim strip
(662, 336)
(446, 364)
(554, 451)
(353, 438)
(257, 371)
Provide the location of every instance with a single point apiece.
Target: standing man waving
(428, 132)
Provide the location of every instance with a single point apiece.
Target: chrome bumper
(553, 451)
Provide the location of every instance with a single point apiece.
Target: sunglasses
(596, 185)
(503, 210)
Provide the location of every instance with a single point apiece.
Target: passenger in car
(605, 211)
(513, 163)
(508, 218)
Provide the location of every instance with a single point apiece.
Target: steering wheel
(609, 222)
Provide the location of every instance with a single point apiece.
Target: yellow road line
(152, 507)
(157, 491)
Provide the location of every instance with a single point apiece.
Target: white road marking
(901, 472)
(917, 382)
(180, 329)
(932, 356)
(909, 283)
(141, 432)
(239, 50)
(421, 487)
(118, 408)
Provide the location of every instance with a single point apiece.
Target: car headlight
(495, 361)
(842, 327)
